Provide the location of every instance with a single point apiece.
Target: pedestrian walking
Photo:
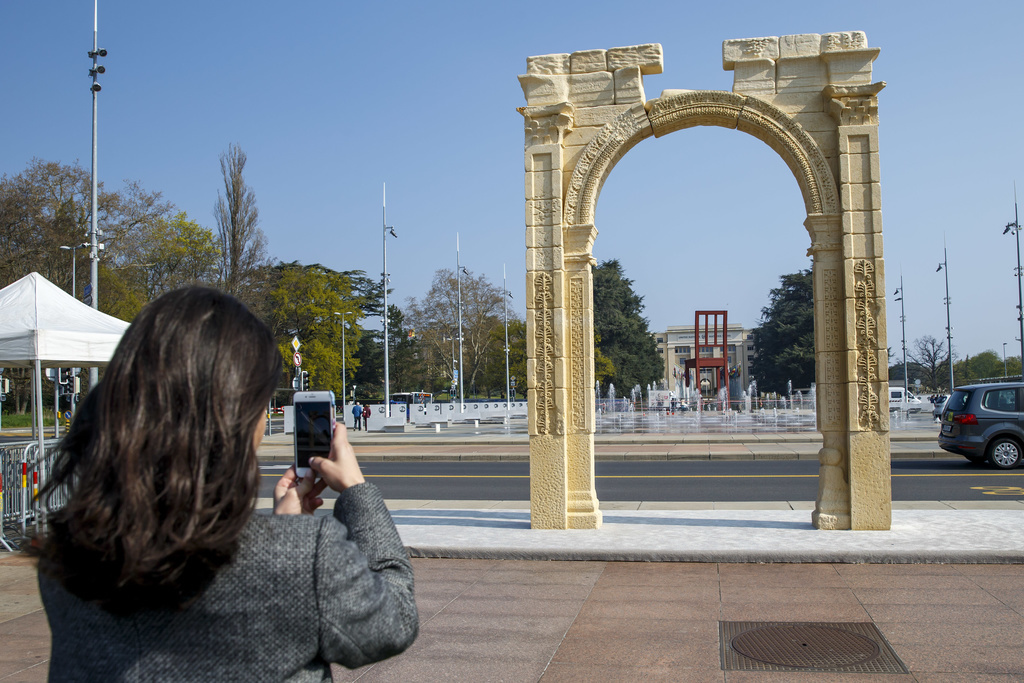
(357, 414)
(156, 567)
(366, 418)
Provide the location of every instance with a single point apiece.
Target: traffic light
(304, 382)
(63, 375)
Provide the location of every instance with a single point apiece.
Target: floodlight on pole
(385, 279)
(508, 386)
(949, 327)
(94, 233)
(1014, 227)
(343, 373)
(459, 270)
(903, 323)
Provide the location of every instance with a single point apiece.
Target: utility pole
(903, 323)
(386, 279)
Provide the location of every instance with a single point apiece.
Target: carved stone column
(855, 109)
(832, 510)
(561, 441)
(583, 510)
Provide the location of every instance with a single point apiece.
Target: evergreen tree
(785, 337)
(621, 332)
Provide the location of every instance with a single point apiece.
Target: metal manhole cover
(855, 647)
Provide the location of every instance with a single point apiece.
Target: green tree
(985, 365)
(303, 303)
(47, 206)
(492, 379)
(785, 337)
(621, 332)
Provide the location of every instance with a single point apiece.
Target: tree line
(151, 248)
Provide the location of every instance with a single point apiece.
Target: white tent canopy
(41, 322)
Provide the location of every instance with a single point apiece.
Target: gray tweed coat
(301, 592)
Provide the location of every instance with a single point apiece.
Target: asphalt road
(682, 481)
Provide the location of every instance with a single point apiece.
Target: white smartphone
(314, 427)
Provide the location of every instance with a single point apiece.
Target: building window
(661, 340)
(750, 347)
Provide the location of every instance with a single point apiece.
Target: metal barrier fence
(22, 474)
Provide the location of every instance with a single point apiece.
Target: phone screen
(312, 431)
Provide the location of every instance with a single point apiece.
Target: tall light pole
(903, 323)
(74, 259)
(949, 327)
(1004, 360)
(385, 279)
(343, 373)
(459, 270)
(508, 389)
(94, 233)
(1014, 227)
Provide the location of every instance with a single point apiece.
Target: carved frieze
(545, 344)
(578, 361)
(867, 344)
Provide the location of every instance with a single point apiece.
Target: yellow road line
(660, 476)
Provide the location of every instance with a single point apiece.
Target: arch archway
(827, 135)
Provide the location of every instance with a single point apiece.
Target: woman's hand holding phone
(294, 495)
(341, 469)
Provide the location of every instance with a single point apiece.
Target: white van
(908, 403)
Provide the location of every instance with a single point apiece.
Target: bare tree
(242, 242)
(435, 320)
(929, 354)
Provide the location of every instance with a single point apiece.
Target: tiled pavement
(501, 620)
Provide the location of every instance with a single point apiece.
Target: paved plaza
(501, 602)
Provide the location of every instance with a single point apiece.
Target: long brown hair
(159, 462)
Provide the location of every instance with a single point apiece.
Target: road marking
(661, 476)
(1000, 490)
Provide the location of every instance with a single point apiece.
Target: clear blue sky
(330, 100)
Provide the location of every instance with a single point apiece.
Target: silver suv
(985, 422)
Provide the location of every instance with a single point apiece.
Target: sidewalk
(502, 620)
(502, 602)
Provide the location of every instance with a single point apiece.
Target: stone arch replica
(808, 97)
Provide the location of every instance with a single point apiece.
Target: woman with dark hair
(157, 568)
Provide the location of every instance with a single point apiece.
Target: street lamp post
(459, 270)
(343, 373)
(949, 327)
(1014, 227)
(1004, 360)
(384, 277)
(508, 390)
(74, 260)
(903, 323)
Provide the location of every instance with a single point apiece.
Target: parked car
(938, 405)
(903, 399)
(984, 422)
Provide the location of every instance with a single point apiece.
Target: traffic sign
(297, 358)
(295, 344)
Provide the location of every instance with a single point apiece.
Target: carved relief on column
(545, 344)
(578, 340)
(869, 406)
